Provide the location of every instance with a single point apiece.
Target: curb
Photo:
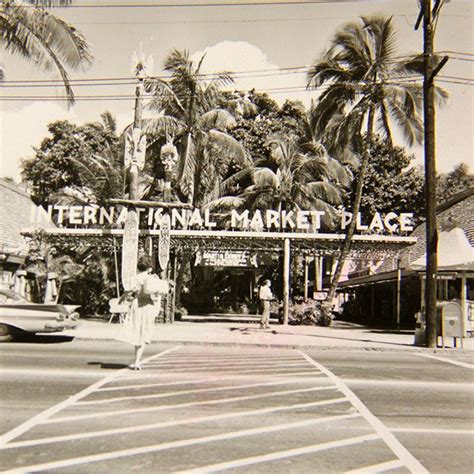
(294, 346)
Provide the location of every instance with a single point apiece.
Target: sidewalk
(341, 335)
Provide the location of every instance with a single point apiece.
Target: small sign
(164, 241)
(130, 249)
(226, 258)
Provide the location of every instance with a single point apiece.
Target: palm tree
(365, 92)
(188, 114)
(288, 180)
(37, 35)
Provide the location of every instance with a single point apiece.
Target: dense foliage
(66, 158)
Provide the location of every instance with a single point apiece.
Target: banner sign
(164, 242)
(227, 258)
(130, 250)
(258, 220)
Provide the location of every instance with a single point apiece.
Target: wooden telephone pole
(428, 13)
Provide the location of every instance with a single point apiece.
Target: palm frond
(219, 119)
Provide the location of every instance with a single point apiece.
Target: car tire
(6, 333)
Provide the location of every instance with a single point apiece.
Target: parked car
(19, 315)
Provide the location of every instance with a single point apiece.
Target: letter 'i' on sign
(130, 249)
(164, 242)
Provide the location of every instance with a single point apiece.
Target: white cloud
(24, 128)
(253, 69)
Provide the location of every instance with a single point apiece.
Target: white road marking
(150, 374)
(183, 443)
(281, 455)
(44, 415)
(402, 453)
(180, 405)
(167, 424)
(227, 370)
(217, 363)
(183, 392)
(376, 468)
(224, 367)
(448, 361)
(18, 372)
(411, 383)
(313, 375)
(432, 431)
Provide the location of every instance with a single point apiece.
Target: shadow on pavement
(108, 365)
(42, 338)
(319, 336)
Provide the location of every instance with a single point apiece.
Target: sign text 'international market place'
(300, 220)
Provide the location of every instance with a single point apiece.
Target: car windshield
(9, 296)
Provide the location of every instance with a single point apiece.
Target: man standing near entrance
(265, 296)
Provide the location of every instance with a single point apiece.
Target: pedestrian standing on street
(146, 291)
(265, 296)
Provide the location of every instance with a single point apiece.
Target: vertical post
(286, 280)
(137, 124)
(305, 277)
(463, 307)
(399, 289)
(430, 177)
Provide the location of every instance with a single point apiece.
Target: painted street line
(217, 364)
(184, 371)
(448, 361)
(441, 431)
(19, 372)
(184, 392)
(291, 376)
(376, 468)
(43, 416)
(455, 386)
(399, 450)
(184, 443)
(173, 423)
(180, 405)
(239, 370)
(281, 455)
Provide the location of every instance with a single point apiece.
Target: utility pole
(429, 13)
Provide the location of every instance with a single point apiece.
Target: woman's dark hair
(144, 262)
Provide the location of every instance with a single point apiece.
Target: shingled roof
(15, 215)
(456, 212)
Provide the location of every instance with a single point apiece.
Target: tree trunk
(346, 246)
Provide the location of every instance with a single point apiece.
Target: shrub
(308, 313)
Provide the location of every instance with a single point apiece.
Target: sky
(257, 41)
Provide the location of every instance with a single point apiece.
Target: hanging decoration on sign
(130, 249)
(164, 241)
(135, 148)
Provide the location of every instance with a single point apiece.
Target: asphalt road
(72, 406)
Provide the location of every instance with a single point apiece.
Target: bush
(308, 313)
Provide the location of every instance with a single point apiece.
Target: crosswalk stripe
(180, 405)
(167, 424)
(281, 455)
(376, 468)
(401, 452)
(188, 381)
(44, 415)
(179, 444)
(182, 392)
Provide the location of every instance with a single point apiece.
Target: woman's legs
(138, 356)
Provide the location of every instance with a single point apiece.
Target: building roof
(15, 215)
(456, 213)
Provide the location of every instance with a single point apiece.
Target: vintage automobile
(18, 315)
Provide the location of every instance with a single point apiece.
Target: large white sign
(259, 220)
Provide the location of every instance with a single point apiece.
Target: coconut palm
(288, 180)
(39, 36)
(187, 112)
(366, 91)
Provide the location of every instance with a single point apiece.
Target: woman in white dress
(145, 295)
